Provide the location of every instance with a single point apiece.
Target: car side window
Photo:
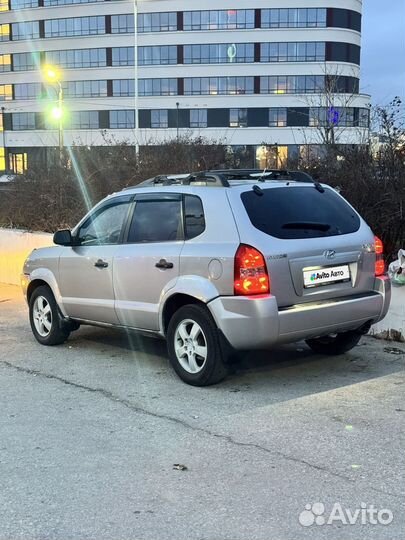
(105, 225)
(156, 221)
(194, 220)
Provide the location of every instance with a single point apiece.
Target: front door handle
(164, 265)
(101, 264)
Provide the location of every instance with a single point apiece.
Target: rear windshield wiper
(312, 225)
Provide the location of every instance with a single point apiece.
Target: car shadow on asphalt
(293, 365)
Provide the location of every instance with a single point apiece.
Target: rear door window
(156, 220)
(300, 212)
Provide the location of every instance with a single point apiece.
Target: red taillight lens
(379, 261)
(251, 275)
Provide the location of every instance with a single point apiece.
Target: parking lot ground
(90, 432)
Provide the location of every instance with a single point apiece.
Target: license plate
(325, 276)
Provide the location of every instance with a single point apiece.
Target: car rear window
(300, 212)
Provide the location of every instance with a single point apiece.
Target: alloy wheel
(42, 316)
(190, 345)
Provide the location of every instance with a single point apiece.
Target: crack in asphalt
(227, 438)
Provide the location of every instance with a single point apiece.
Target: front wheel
(45, 319)
(194, 346)
(334, 344)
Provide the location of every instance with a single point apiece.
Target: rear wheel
(194, 346)
(335, 344)
(45, 319)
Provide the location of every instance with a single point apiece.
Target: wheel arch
(34, 285)
(189, 289)
(43, 276)
(175, 302)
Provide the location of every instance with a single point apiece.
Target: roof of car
(228, 178)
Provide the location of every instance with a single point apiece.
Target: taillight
(251, 275)
(379, 261)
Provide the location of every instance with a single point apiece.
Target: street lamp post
(136, 77)
(177, 120)
(60, 108)
(53, 75)
(3, 126)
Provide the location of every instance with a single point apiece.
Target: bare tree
(331, 110)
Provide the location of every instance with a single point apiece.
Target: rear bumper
(257, 322)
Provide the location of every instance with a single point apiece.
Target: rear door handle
(164, 265)
(101, 264)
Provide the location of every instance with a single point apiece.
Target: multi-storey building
(275, 76)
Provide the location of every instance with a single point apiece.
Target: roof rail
(266, 174)
(224, 177)
(204, 178)
(271, 174)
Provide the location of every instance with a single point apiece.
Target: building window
(23, 4)
(147, 87)
(347, 117)
(67, 2)
(294, 18)
(229, 19)
(122, 119)
(27, 91)
(23, 121)
(159, 118)
(80, 58)
(5, 62)
(124, 88)
(317, 117)
(123, 56)
(157, 22)
(122, 24)
(278, 117)
(4, 32)
(82, 120)
(6, 92)
(74, 89)
(330, 117)
(18, 162)
(3, 7)
(293, 52)
(158, 87)
(2, 158)
(219, 53)
(198, 118)
(25, 30)
(238, 118)
(218, 86)
(364, 118)
(158, 55)
(271, 157)
(75, 26)
(292, 84)
(25, 61)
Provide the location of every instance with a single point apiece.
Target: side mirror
(63, 238)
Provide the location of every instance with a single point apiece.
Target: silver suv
(214, 262)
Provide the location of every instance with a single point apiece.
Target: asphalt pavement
(91, 432)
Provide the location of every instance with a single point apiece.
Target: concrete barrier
(15, 246)
(393, 326)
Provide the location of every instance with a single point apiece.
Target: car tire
(194, 346)
(334, 345)
(45, 318)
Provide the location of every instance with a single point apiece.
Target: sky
(383, 50)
